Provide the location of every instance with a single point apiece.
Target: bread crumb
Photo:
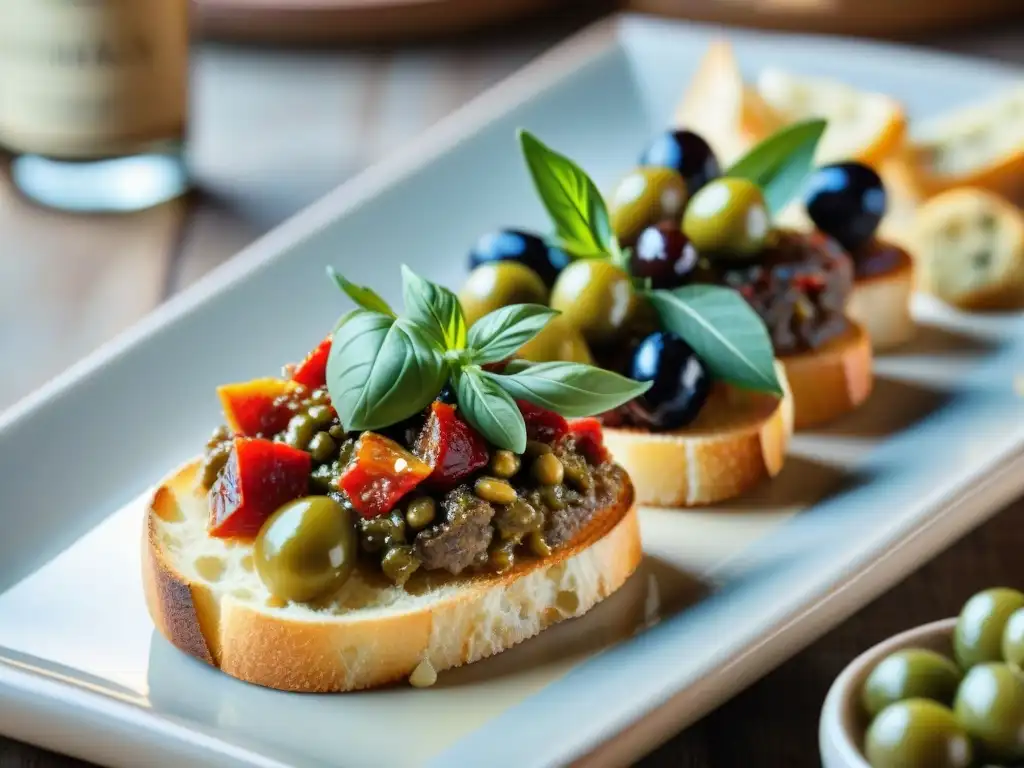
(424, 675)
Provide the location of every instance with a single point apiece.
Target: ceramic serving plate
(724, 594)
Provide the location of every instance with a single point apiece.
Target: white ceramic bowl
(843, 724)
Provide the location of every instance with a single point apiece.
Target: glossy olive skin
(727, 219)
(680, 382)
(498, 284)
(912, 673)
(664, 255)
(978, 636)
(643, 197)
(990, 706)
(557, 341)
(1013, 641)
(847, 202)
(917, 733)
(595, 297)
(526, 248)
(687, 153)
(306, 549)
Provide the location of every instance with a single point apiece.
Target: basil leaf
(571, 389)
(571, 199)
(489, 409)
(435, 308)
(725, 332)
(381, 370)
(781, 164)
(499, 334)
(367, 298)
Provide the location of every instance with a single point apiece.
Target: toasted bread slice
(863, 126)
(980, 145)
(206, 599)
(969, 245)
(881, 304)
(719, 106)
(739, 439)
(832, 380)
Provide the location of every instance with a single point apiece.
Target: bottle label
(83, 79)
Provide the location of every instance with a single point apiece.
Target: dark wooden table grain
(70, 283)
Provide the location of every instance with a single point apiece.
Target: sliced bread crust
(881, 304)
(738, 440)
(832, 380)
(205, 599)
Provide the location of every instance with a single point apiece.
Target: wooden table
(69, 283)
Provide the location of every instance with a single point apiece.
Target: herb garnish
(385, 368)
(723, 329)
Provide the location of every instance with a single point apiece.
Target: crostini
(405, 500)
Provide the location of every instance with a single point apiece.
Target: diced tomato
(249, 407)
(451, 447)
(379, 474)
(312, 372)
(259, 477)
(542, 424)
(589, 437)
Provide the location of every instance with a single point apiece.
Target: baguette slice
(881, 304)
(979, 145)
(969, 244)
(725, 111)
(205, 598)
(863, 126)
(738, 440)
(832, 380)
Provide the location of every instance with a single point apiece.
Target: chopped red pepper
(256, 407)
(542, 424)
(259, 477)
(589, 436)
(312, 372)
(380, 473)
(451, 447)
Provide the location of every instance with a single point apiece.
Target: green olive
(421, 512)
(917, 733)
(727, 217)
(595, 297)
(990, 706)
(558, 341)
(643, 197)
(913, 673)
(1013, 641)
(306, 549)
(978, 636)
(497, 284)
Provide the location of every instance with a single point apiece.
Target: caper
(517, 519)
(381, 532)
(548, 470)
(306, 549)
(727, 217)
(552, 497)
(399, 563)
(494, 490)
(345, 454)
(595, 297)
(643, 197)
(421, 512)
(538, 545)
(336, 431)
(504, 464)
(502, 557)
(320, 397)
(577, 473)
(321, 414)
(322, 447)
(300, 431)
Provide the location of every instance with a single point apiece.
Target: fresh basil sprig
(781, 164)
(367, 298)
(572, 200)
(383, 369)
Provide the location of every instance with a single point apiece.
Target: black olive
(847, 202)
(528, 249)
(680, 382)
(663, 254)
(687, 153)
(446, 395)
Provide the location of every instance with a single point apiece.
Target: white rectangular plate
(723, 595)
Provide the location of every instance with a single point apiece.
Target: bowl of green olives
(944, 695)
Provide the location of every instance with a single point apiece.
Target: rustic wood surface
(69, 283)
